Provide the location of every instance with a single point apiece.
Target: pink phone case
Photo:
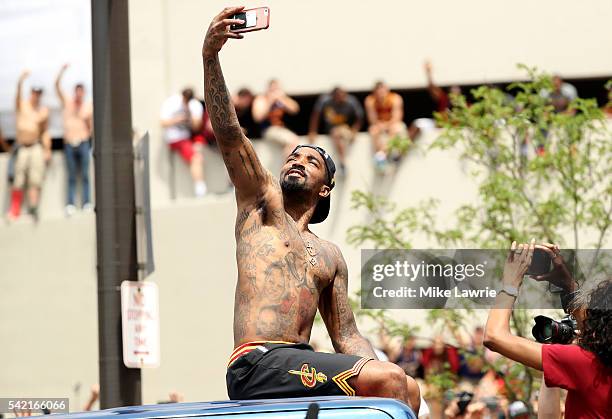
(261, 15)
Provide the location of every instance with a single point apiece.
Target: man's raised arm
(24, 75)
(245, 170)
(58, 85)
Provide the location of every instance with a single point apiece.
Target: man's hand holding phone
(219, 30)
(231, 23)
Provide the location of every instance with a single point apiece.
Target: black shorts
(266, 370)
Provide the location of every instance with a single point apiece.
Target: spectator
(205, 135)
(491, 385)
(435, 357)
(438, 95)
(462, 406)
(409, 358)
(342, 117)
(243, 102)
(4, 146)
(34, 150)
(472, 360)
(585, 368)
(78, 123)
(385, 111)
(561, 95)
(269, 110)
(181, 117)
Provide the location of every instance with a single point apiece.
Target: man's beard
(293, 185)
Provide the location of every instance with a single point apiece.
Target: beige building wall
(316, 44)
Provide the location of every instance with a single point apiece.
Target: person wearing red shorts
(181, 116)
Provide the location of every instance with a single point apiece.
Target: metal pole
(114, 182)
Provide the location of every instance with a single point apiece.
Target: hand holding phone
(540, 262)
(559, 276)
(219, 31)
(254, 20)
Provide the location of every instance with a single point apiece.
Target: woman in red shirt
(583, 369)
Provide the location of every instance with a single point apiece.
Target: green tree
(539, 174)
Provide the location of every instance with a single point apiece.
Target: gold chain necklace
(310, 249)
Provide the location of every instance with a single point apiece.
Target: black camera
(547, 330)
(463, 398)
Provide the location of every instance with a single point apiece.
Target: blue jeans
(77, 161)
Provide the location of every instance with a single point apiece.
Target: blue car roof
(394, 408)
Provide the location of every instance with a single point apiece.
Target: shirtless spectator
(341, 117)
(34, 151)
(243, 102)
(385, 111)
(78, 123)
(181, 117)
(269, 110)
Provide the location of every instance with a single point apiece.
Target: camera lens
(547, 330)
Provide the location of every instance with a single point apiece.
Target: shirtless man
(285, 272)
(78, 123)
(34, 152)
(385, 112)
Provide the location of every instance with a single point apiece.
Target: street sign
(140, 324)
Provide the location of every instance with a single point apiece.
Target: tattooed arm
(338, 316)
(245, 170)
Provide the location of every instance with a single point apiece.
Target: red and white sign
(140, 324)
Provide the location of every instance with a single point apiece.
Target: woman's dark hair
(596, 335)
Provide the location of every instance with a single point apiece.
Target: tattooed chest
(273, 262)
(278, 283)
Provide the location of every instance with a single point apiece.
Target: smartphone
(254, 20)
(540, 263)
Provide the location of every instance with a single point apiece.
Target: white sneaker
(88, 207)
(200, 189)
(70, 210)
(380, 162)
